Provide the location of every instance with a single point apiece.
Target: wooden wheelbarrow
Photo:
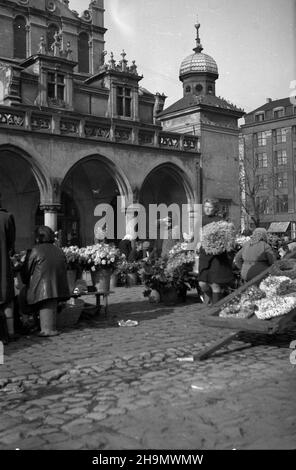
(271, 327)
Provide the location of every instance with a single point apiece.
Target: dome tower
(198, 71)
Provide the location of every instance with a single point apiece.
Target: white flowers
(275, 285)
(218, 237)
(93, 256)
(271, 307)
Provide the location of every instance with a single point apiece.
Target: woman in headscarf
(255, 256)
(215, 271)
(45, 278)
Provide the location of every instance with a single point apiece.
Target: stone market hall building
(76, 128)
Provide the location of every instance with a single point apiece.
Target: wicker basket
(70, 314)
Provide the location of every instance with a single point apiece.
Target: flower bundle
(285, 267)
(276, 285)
(253, 293)
(178, 248)
(218, 237)
(98, 256)
(127, 267)
(179, 266)
(153, 274)
(241, 240)
(18, 260)
(244, 312)
(244, 305)
(238, 308)
(72, 255)
(271, 307)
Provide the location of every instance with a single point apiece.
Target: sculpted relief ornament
(50, 5)
(86, 16)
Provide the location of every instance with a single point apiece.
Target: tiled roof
(272, 104)
(189, 101)
(198, 62)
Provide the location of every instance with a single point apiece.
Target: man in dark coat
(7, 242)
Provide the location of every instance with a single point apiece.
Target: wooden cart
(271, 327)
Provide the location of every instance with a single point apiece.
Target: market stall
(266, 304)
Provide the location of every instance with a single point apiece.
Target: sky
(252, 41)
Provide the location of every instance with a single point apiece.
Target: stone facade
(269, 141)
(76, 129)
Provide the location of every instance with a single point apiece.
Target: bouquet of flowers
(274, 306)
(238, 308)
(244, 305)
(18, 260)
(72, 255)
(98, 256)
(180, 247)
(275, 285)
(152, 274)
(127, 267)
(218, 237)
(253, 293)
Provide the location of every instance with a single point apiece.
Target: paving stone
(135, 383)
(33, 443)
(97, 416)
(77, 411)
(10, 438)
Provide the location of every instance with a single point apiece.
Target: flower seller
(255, 256)
(215, 265)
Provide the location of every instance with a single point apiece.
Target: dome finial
(198, 48)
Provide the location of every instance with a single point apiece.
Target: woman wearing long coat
(255, 256)
(214, 270)
(7, 241)
(45, 276)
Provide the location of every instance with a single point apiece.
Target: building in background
(269, 155)
(76, 127)
(215, 122)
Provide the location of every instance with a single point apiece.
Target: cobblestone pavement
(99, 386)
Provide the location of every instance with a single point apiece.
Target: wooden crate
(210, 317)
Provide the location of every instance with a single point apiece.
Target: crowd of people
(43, 271)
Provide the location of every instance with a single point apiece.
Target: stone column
(51, 215)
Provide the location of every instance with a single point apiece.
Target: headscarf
(214, 202)
(44, 234)
(128, 236)
(259, 234)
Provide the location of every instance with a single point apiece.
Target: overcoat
(46, 274)
(7, 242)
(253, 258)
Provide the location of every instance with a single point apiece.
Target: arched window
(19, 38)
(52, 29)
(83, 53)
